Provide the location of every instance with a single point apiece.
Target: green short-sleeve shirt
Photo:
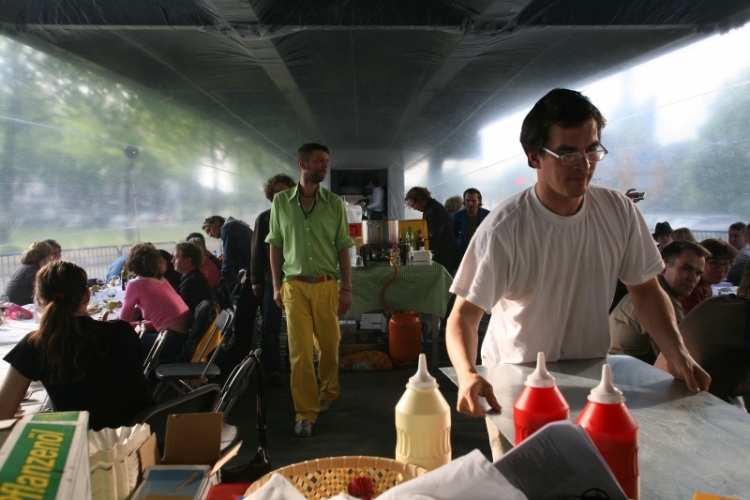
(310, 242)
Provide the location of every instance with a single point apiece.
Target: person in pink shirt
(158, 302)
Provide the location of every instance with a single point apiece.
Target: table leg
(435, 322)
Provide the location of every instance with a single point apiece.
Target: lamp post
(131, 153)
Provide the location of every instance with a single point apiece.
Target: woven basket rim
(409, 471)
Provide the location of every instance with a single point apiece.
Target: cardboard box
(191, 439)
(46, 455)
(373, 321)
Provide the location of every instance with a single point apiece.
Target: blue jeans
(271, 357)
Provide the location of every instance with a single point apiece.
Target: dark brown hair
(562, 107)
(418, 194)
(60, 287)
(36, 252)
(270, 183)
(191, 251)
(673, 250)
(720, 248)
(146, 261)
(306, 150)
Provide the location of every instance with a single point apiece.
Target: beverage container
(420, 240)
(423, 422)
(409, 236)
(539, 403)
(614, 432)
(124, 275)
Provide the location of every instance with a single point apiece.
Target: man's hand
(258, 290)
(470, 387)
(635, 196)
(277, 298)
(345, 301)
(684, 367)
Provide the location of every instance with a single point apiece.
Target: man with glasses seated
(717, 267)
(545, 262)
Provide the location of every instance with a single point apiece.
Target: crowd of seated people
(83, 364)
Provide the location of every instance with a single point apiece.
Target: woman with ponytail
(83, 364)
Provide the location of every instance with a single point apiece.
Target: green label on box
(35, 466)
(61, 416)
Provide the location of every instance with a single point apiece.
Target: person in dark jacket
(193, 288)
(20, 288)
(466, 221)
(262, 281)
(442, 241)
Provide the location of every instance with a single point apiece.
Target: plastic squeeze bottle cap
(606, 392)
(422, 380)
(540, 377)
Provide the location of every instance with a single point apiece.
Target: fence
(95, 261)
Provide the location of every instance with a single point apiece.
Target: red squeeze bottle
(614, 432)
(539, 403)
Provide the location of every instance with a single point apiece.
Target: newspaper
(559, 461)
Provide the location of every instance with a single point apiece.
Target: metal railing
(95, 260)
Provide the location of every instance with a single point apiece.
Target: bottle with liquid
(539, 403)
(124, 275)
(420, 240)
(409, 236)
(614, 432)
(423, 422)
(395, 255)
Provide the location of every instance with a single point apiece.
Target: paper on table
(471, 476)
(559, 461)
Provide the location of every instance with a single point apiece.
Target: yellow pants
(312, 322)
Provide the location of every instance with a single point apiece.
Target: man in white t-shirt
(546, 261)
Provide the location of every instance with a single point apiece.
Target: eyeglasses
(718, 264)
(573, 158)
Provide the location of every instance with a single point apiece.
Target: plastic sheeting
(211, 98)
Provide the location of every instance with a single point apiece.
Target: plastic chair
(201, 400)
(152, 359)
(179, 375)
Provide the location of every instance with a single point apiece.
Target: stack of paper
(113, 460)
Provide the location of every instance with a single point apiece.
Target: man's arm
(277, 257)
(655, 312)
(462, 339)
(345, 266)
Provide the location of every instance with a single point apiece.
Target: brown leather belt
(313, 279)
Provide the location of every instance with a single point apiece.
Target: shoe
(274, 380)
(303, 428)
(324, 406)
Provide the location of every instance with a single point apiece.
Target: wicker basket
(326, 477)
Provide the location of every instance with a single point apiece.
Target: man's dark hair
(211, 220)
(270, 183)
(375, 180)
(191, 251)
(196, 235)
(562, 107)
(53, 243)
(739, 226)
(418, 194)
(720, 248)
(472, 191)
(673, 250)
(305, 152)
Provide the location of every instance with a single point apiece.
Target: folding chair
(152, 360)
(202, 400)
(238, 381)
(180, 375)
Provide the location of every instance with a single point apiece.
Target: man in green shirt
(309, 236)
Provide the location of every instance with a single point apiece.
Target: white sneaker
(325, 405)
(303, 428)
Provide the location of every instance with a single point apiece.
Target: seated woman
(210, 268)
(158, 302)
(85, 365)
(20, 288)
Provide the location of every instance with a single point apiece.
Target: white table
(688, 442)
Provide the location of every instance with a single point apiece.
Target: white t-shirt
(377, 199)
(548, 280)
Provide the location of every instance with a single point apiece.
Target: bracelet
(346, 290)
